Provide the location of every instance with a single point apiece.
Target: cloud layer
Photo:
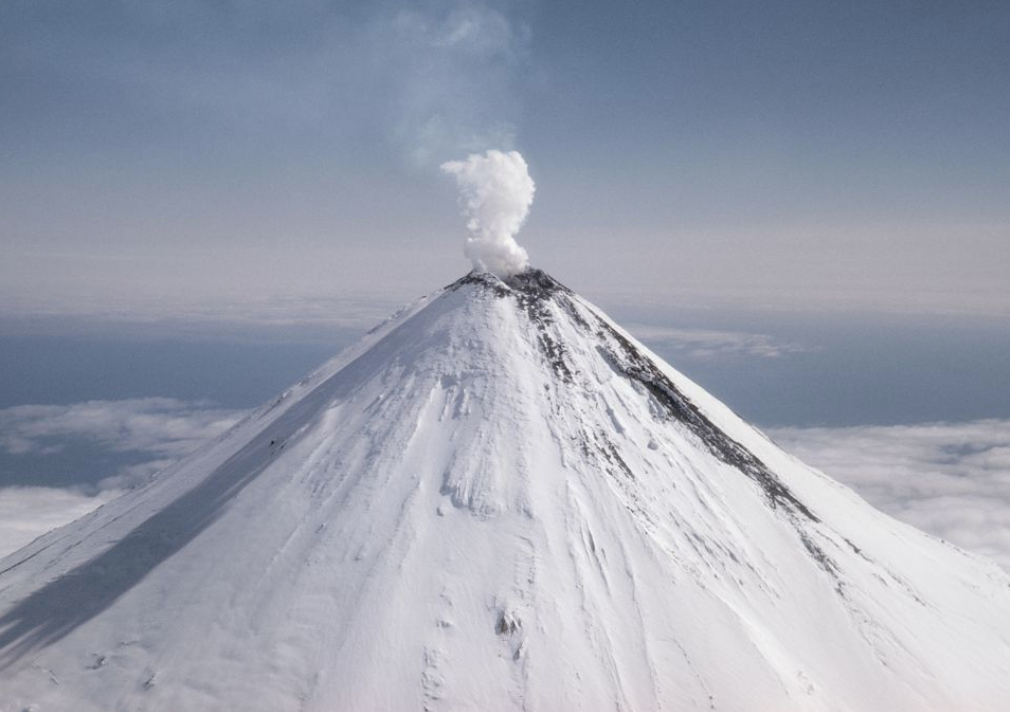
(949, 479)
(29, 512)
(152, 431)
(706, 343)
(135, 438)
(158, 425)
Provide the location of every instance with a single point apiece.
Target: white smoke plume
(495, 194)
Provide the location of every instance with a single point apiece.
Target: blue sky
(783, 153)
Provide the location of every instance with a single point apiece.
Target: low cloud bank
(27, 513)
(163, 429)
(142, 435)
(949, 479)
(707, 343)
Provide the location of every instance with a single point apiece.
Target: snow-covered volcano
(498, 500)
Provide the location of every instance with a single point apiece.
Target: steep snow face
(498, 500)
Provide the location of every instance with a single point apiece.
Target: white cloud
(29, 512)
(949, 479)
(161, 426)
(157, 431)
(706, 343)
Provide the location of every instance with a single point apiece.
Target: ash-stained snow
(499, 500)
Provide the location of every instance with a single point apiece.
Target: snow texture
(499, 500)
(495, 193)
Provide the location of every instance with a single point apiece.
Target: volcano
(498, 500)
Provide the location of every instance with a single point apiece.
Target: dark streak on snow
(534, 289)
(825, 561)
(613, 456)
(636, 366)
(856, 550)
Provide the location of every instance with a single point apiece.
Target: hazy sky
(275, 165)
(165, 157)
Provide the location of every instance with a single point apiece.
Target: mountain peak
(533, 287)
(531, 282)
(500, 502)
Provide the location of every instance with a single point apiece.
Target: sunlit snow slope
(498, 501)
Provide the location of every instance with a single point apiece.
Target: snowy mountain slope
(498, 500)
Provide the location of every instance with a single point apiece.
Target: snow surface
(498, 500)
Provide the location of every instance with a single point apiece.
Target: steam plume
(495, 193)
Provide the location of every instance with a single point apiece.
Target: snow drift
(498, 500)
